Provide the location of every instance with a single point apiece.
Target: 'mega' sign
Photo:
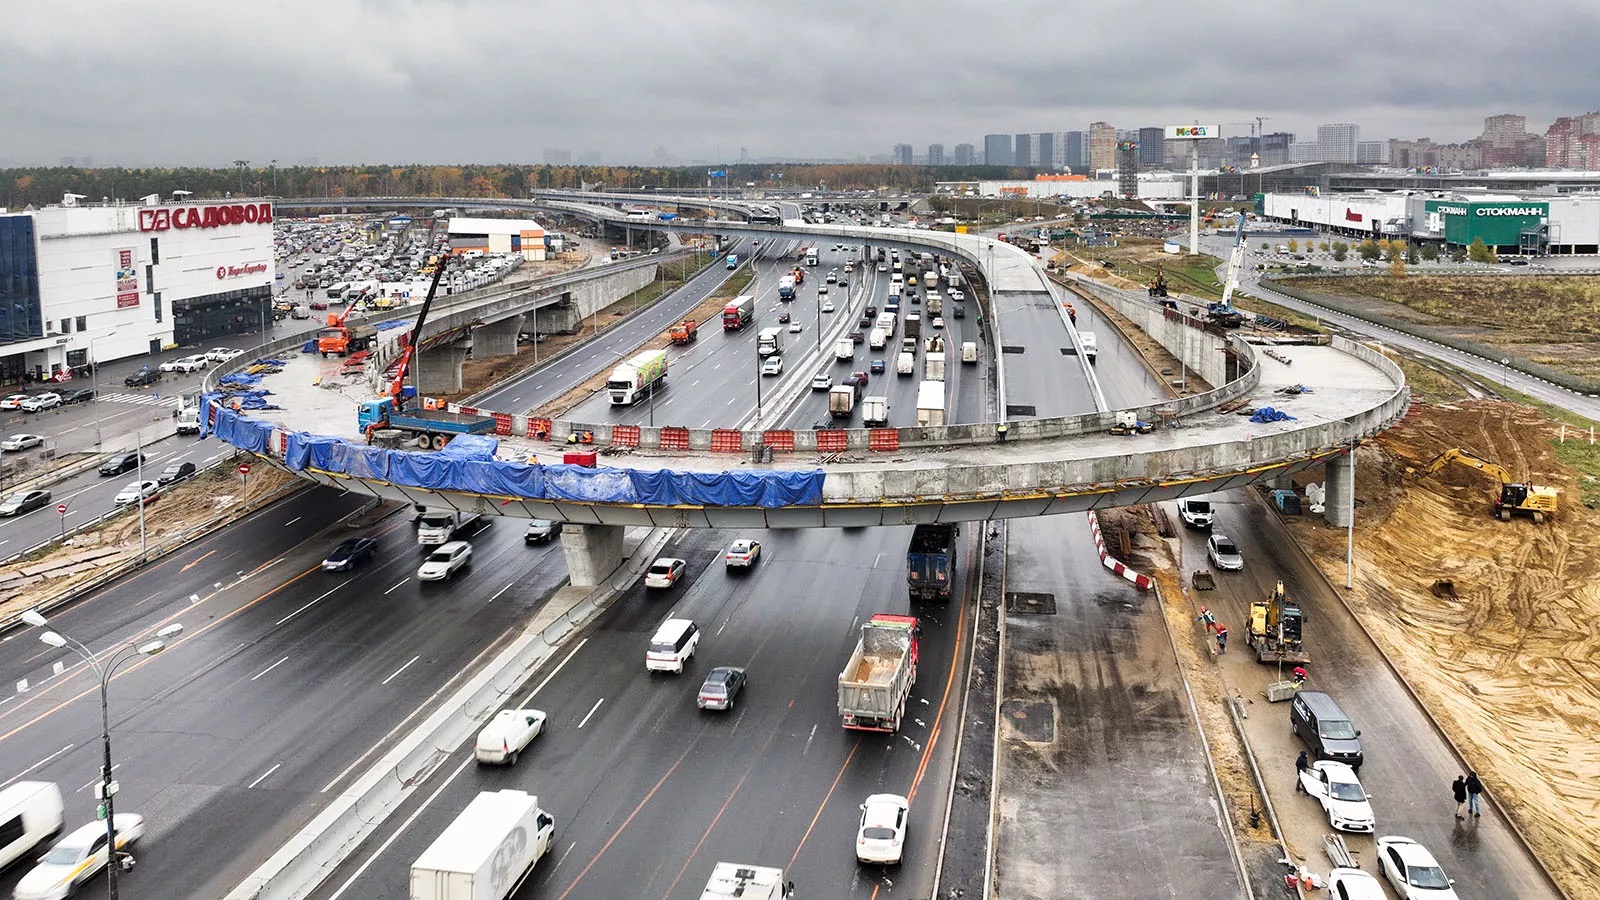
(1192, 132)
(164, 218)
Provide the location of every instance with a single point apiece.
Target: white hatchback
(882, 835)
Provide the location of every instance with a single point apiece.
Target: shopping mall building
(106, 282)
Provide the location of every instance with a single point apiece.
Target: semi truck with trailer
(487, 851)
(786, 287)
(739, 312)
(878, 677)
(931, 562)
(637, 377)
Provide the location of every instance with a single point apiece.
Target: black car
(118, 463)
(175, 472)
(146, 376)
(80, 395)
(540, 531)
(960, 313)
(349, 554)
(857, 337)
(23, 502)
(783, 317)
(877, 367)
(872, 310)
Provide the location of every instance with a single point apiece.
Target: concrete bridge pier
(497, 339)
(438, 369)
(1338, 480)
(593, 552)
(563, 317)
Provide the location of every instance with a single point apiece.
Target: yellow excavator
(1515, 496)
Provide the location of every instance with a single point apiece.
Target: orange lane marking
(824, 804)
(949, 683)
(707, 833)
(196, 562)
(618, 833)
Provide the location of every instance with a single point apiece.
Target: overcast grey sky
(201, 82)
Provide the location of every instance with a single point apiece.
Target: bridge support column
(592, 551)
(438, 371)
(1283, 482)
(1340, 484)
(558, 318)
(499, 339)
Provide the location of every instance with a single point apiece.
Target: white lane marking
(501, 591)
(264, 775)
(730, 401)
(564, 855)
(96, 781)
(807, 748)
(308, 605)
(401, 669)
(269, 668)
(591, 711)
(292, 521)
(399, 831)
(397, 584)
(37, 765)
(552, 674)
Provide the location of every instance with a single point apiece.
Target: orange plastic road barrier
(726, 440)
(624, 435)
(832, 441)
(675, 438)
(886, 439)
(778, 440)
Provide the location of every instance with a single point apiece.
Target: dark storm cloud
(189, 82)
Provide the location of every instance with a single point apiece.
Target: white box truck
(440, 526)
(930, 403)
(875, 411)
(485, 853)
(739, 881)
(1090, 348)
(841, 401)
(905, 364)
(844, 349)
(769, 341)
(933, 367)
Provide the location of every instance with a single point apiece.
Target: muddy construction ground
(1547, 319)
(1508, 663)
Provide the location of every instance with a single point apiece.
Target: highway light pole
(138, 463)
(104, 669)
(758, 390)
(94, 389)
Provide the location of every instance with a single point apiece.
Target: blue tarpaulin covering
(385, 326)
(467, 464)
(1268, 414)
(309, 346)
(240, 379)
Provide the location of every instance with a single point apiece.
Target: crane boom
(1235, 263)
(411, 350)
(1472, 460)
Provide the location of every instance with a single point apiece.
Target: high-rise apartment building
(1045, 148)
(1152, 146)
(1372, 153)
(935, 154)
(1022, 150)
(964, 155)
(555, 156)
(1077, 150)
(1506, 142)
(902, 154)
(1102, 146)
(1338, 141)
(997, 150)
(1573, 142)
(1275, 148)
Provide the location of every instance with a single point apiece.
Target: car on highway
(76, 858)
(506, 735)
(1412, 871)
(223, 354)
(665, 572)
(877, 367)
(882, 836)
(960, 312)
(957, 295)
(41, 402)
(1224, 553)
(743, 554)
(843, 283)
(136, 491)
(883, 267)
(721, 686)
(1195, 513)
(1354, 884)
(186, 364)
(445, 561)
(13, 401)
(350, 553)
(24, 502)
(938, 322)
(783, 317)
(540, 531)
(1336, 787)
(822, 291)
(117, 463)
(848, 268)
(827, 306)
(856, 337)
(822, 381)
(795, 328)
(175, 472)
(833, 277)
(773, 366)
(21, 442)
(78, 396)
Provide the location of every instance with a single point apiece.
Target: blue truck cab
(733, 260)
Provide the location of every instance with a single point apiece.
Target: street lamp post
(104, 669)
(758, 390)
(138, 462)
(94, 388)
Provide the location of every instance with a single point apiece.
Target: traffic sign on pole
(61, 508)
(244, 468)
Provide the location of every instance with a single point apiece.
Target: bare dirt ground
(1508, 666)
(1553, 320)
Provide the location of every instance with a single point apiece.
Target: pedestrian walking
(1208, 617)
(1302, 764)
(1458, 789)
(1222, 639)
(1474, 792)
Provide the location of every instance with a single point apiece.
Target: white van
(30, 814)
(1090, 349)
(506, 735)
(969, 352)
(673, 644)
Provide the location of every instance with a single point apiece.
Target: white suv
(195, 363)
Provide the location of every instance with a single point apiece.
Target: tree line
(39, 186)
